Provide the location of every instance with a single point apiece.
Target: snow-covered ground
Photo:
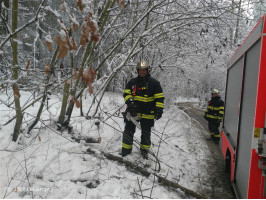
(49, 164)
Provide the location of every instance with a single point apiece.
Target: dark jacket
(147, 94)
(215, 109)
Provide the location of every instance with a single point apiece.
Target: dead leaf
(61, 66)
(47, 69)
(79, 5)
(62, 45)
(122, 4)
(77, 103)
(68, 82)
(76, 74)
(74, 44)
(28, 64)
(90, 88)
(49, 45)
(16, 91)
(39, 138)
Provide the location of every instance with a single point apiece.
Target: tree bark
(47, 85)
(15, 71)
(64, 103)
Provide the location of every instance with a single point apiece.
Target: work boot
(216, 141)
(125, 152)
(144, 155)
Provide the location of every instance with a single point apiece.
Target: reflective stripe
(145, 147)
(126, 146)
(212, 116)
(158, 95)
(143, 99)
(127, 97)
(159, 104)
(217, 136)
(216, 108)
(144, 116)
(212, 133)
(221, 112)
(127, 91)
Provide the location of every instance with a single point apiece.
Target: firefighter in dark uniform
(145, 102)
(214, 115)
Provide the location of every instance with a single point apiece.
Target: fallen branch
(146, 173)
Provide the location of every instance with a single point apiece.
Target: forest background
(65, 47)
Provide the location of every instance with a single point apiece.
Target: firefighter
(214, 115)
(145, 102)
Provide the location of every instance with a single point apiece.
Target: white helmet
(143, 65)
(215, 91)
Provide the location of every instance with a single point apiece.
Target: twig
(140, 188)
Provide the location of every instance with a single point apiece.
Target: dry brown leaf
(68, 82)
(74, 44)
(62, 44)
(75, 27)
(89, 75)
(79, 5)
(71, 99)
(77, 103)
(49, 45)
(122, 3)
(89, 28)
(99, 140)
(39, 138)
(16, 91)
(47, 69)
(76, 74)
(90, 88)
(28, 64)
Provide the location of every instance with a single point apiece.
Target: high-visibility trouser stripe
(214, 117)
(143, 99)
(221, 112)
(127, 91)
(212, 133)
(143, 116)
(216, 108)
(145, 147)
(217, 136)
(127, 97)
(158, 95)
(159, 104)
(126, 146)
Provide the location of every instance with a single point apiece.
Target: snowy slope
(49, 164)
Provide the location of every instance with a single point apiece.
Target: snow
(53, 11)
(48, 38)
(49, 164)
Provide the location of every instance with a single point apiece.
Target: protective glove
(131, 107)
(158, 113)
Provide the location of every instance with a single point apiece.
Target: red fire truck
(243, 135)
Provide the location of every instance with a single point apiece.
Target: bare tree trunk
(64, 103)
(237, 21)
(66, 93)
(15, 70)
(47, 85)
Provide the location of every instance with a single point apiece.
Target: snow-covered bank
(48, 164)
